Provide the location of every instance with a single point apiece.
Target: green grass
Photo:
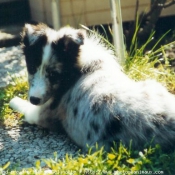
(120, 160)
(141, 66)
(19, 88)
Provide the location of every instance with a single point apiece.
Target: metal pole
(55, 14)
(117, 29)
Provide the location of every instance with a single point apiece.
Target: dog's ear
(73, 39)
(31, 33)
(76, 37)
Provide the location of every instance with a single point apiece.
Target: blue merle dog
(76, 85)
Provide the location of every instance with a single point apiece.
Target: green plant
(120, 161)
(18, 87)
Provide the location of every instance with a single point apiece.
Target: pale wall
(87, 12)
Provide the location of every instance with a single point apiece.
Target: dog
(77, 86)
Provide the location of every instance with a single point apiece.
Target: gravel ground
(11, 61)
(23, 145)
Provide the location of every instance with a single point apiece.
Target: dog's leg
(30, 111)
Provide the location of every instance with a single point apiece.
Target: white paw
(14, 102)
(18, 104)
(30, 111)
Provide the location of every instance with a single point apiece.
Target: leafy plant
(18, 87)
(119, 161)
(147, 21)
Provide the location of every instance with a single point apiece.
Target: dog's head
(51, 59)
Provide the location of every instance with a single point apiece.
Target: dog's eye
(53, 76)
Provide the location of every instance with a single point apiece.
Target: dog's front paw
(18, 104)
(14, 103)
(30, 111)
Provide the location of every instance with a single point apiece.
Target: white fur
(31, 111)
(30, 31)
(39, 85)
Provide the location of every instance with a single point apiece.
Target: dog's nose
(35, 100)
